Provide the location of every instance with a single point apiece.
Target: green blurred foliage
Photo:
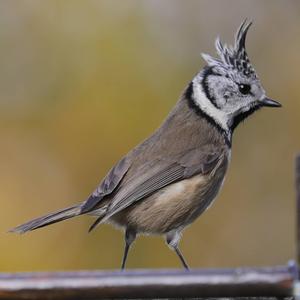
(82, 82)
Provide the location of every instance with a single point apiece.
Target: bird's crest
(233, 58)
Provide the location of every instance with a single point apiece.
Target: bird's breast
(174, 206)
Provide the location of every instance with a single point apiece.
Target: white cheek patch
(208, 108)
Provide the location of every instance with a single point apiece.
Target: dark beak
(269, 102)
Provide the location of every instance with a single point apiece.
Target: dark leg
(185, 265)
(130, 236)
(172, 240)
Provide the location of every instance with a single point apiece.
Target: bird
(167, 181)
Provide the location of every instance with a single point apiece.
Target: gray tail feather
(52, 218)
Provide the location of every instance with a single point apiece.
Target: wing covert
(108, 185)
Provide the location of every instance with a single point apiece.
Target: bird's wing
(108, 184)
(157, 174)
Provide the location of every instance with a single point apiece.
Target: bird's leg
(172, 239)
(130, 236)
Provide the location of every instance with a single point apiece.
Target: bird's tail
(52, 218)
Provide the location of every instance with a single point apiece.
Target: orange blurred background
(82, 82)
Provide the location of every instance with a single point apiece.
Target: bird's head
(228, 89)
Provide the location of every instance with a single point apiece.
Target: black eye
(244, 88)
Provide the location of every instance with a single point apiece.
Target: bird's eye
(244, 88)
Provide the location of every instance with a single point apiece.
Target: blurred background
(82, 82)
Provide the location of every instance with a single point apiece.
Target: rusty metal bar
(242, 282)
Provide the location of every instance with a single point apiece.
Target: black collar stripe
(206, 73)
(189, 95)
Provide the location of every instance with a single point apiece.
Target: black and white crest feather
(233, 58)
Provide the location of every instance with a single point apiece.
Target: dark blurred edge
(297, 185)
(142, 284)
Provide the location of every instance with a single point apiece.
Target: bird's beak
(269, 102)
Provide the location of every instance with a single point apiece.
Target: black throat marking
(189, 95)
(243, 115)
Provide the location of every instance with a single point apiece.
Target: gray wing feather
(108, 185)
(157, 181)
(199, 161)
(187, 165)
